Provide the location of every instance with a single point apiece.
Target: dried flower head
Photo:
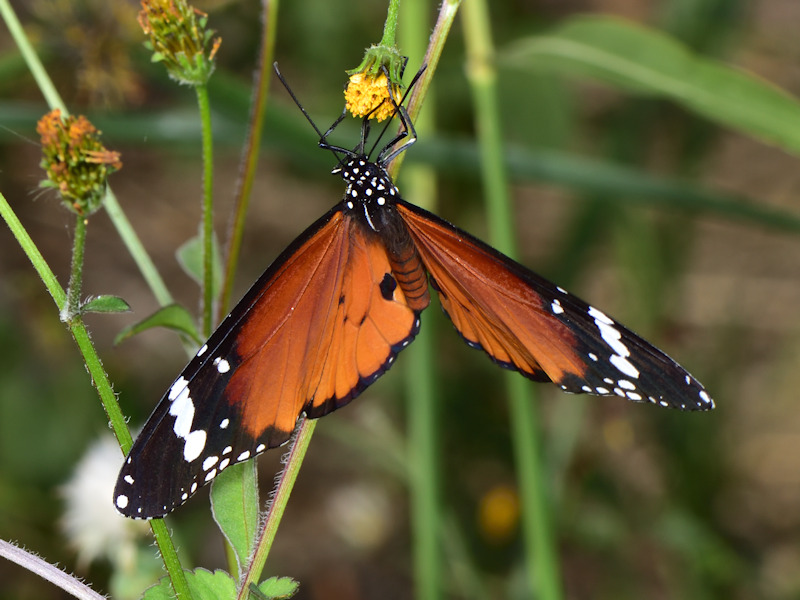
(76, 163)
(178, 37)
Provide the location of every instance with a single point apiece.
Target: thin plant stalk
(249, 162)
(70, 584)
(541, 556)
(294, 460)
(447, 14)
(207, 303)
(72, 306)
(419, 183)
(100, 382)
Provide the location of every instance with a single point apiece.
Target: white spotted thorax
(369, 187)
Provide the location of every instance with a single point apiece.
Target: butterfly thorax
(370, 193)
(370, 199)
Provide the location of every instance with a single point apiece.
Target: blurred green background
(648, 503)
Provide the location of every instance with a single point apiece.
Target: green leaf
(234, 504)
(204, 585)
(173, 316)
(278, 588)
(190, 257)
(105, 304)
(646, 61)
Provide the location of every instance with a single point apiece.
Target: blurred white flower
(361, 514)
(90, 523)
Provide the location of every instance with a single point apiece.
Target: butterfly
(330, 315)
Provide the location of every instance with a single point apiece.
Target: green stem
(447, 14)
(99, 380)
(419, 183)
(390, 27)
(252, 145)
(295, 456)
(541, 557)
(208, 209)
(31, 59)
(136, 249)
(72, 308)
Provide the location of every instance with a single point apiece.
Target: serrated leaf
(647, 61)
(173, 316)
(190, 258)
(105, 304)
(203, 585)
(278, 588)
(234, 504)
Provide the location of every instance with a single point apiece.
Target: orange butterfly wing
(323, 322)
(324, 329)
(525, 323)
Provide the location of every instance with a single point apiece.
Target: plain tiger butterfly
(332, 312)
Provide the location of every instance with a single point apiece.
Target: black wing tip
(158, 500)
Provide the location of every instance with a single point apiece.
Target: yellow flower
(369, 95)
(499, 513)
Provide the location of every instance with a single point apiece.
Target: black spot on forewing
(388, 286)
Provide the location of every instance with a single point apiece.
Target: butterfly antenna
(322, 136)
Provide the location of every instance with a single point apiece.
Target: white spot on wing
(182, 408)
(624, 365)
(195, 442)
(210, 462)
(243, 456)
(223, 366)
(128, 479)
(202, 350)
(598, 315)
(177, 388)
(122, 501)
(224, 423)
(625, 384)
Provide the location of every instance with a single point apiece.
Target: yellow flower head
(369, 95)
(75, 160)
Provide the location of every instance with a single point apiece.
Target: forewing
(319, 326)
(525, 323)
